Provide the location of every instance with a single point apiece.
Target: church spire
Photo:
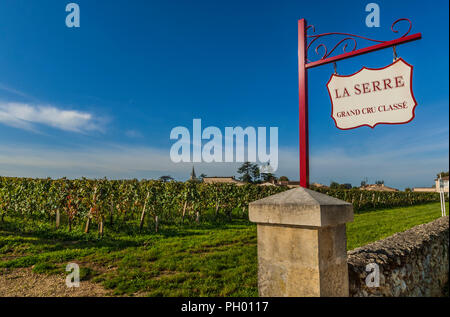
(193, 176)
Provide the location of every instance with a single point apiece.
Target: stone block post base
(301, 244)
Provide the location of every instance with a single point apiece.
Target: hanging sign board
(373, 96)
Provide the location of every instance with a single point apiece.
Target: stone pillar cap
(301, 207)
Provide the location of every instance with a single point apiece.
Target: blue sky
(113, 89)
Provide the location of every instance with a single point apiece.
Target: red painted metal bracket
(365, 50)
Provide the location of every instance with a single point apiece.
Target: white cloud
(27, 116)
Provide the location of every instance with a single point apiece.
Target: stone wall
(411, 263)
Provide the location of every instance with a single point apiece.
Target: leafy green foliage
(122, 203)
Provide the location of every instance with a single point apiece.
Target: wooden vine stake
(143, 212)
(88, 222)
(156, 223)
(100, 228)
(184, 210)
(58, 218)
(111, 212)
(217, 207)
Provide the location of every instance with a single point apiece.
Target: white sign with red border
(373, 96)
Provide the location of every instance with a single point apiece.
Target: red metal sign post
(303, 104)
(304, 64)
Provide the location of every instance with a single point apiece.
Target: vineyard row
(86, 200)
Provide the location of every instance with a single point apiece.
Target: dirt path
(25, 283)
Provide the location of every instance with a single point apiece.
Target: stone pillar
(301, 244)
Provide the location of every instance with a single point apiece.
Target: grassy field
(208, 260)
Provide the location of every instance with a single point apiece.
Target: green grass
(375, 225)
(191, 260)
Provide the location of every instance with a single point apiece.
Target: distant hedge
(363, 200)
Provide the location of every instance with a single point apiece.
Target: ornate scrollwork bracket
(322, 51)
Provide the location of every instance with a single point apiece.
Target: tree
(407, 189)
(379, 182)
(364, 182)
(249, 172)
(283, 179)
(166, 178)
(256, 174)
(245, 171)
(334, 185)
(442, 174)
(202, 176)
(268, 177)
